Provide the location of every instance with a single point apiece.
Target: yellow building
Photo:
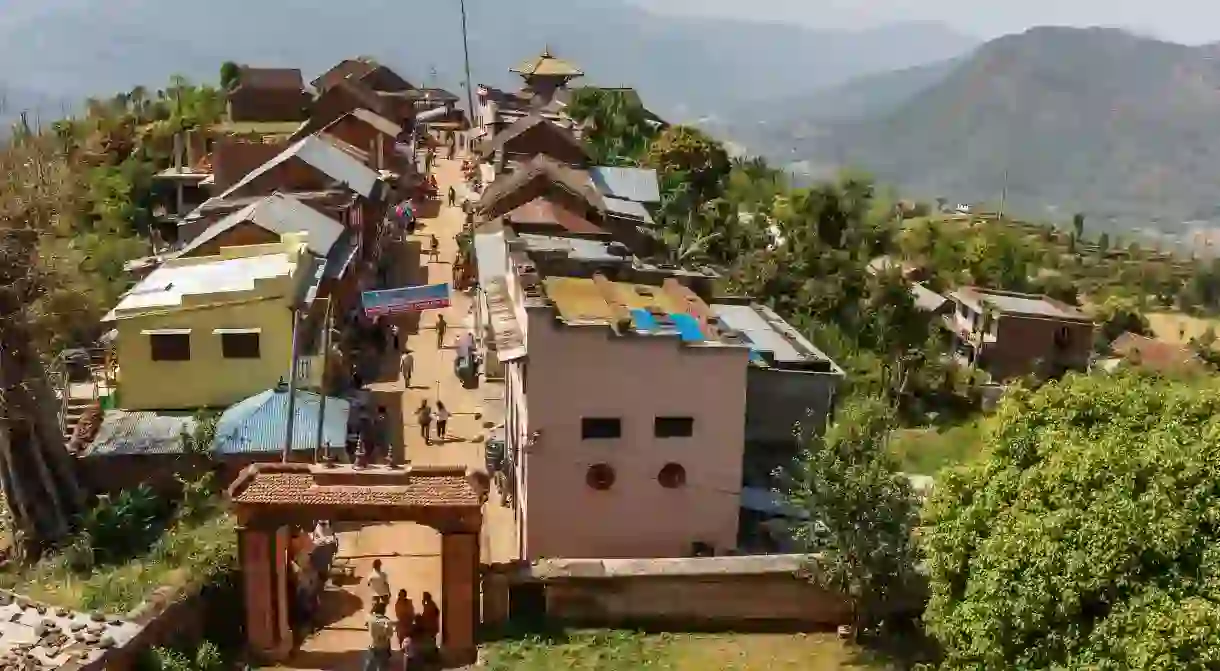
(212, 330)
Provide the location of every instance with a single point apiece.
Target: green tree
(1087, 537)
(861, 513)
(691, 152)
(230, 75)
(617, 128)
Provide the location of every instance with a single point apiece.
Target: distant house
(209, 331)
(369, 131)
(542, 176)
(1010, 334)
(1156, 355)
(268, 94)
(343, 98)
(367, 70)
(529, 137)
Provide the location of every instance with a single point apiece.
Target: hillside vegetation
(1054, 120)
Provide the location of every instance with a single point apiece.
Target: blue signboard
(405, 299)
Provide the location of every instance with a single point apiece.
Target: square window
(600, 428)
(673, 427)
(170, 346)
(240, 345)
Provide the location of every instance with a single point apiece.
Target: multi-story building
(1010, 334)
(206, 332)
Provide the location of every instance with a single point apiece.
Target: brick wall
(249, 104)
(233, 159)
(763, 592)
(111, 474)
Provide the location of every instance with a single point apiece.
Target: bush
(207, 657)
(120, 527)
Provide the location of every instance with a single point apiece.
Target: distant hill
(1124, 128)
(685, 67)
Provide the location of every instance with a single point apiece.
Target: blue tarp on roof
(643, 320)
(688, 328)
(259, 423)
(686, 325)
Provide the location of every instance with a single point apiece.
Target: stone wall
(762, 592)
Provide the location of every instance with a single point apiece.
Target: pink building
(625, 418)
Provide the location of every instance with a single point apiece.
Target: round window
(600, 477)
(672, 476)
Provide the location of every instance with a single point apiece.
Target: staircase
(73, 411)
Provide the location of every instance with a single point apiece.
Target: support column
(283, 630)
(255, 550)
(459, 597)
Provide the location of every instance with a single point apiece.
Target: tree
(691, 152)
(1086, 538)
(36, 473)
(230, 75)
(1078, 225)
(861, 513)
(617, 128)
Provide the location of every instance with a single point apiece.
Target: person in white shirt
(379, 585)
(442, 419)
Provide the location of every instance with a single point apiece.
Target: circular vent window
(672, 476)
(600, 477)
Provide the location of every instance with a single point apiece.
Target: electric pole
(466, 55)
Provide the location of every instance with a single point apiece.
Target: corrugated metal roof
(577, 248)
(341, 255)
(280, 214)
(377, 121)
(764, 334)
(627, 208)
(258, 423)
(637, 184)
(491, 256)
(127, 433)
(166, 286)
(326, 158)
(926, 299)
(543, 212)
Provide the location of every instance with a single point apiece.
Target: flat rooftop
(1011, 302)
(650, 310)
(169, 284)
(580, 249)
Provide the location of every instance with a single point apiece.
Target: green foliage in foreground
(594, 650)
(189, 554)
(1088, 537)
(207, 657)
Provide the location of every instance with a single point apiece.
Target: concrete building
(209, 331)
(1010, 334)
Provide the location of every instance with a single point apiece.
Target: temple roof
(547, 65)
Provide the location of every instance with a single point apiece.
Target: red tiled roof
(543, 212)
(307, 485)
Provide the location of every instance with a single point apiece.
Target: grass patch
(927, 450)
(1179, 328)
(615, 650)
(258, 127)
(188, 554)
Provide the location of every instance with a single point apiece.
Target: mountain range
(686, 67)
(1051, 121)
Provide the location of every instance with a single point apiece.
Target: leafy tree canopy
(1088, 536)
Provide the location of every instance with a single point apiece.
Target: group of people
(426, 415)
(415, 631)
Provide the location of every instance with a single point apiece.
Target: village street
(410, 553)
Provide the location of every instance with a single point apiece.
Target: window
(672, 476)
(673, 427)
(600, 477)
(170, 346)
(600, 428)
(240, 345)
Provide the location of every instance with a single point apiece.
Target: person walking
(431, 615)
(379, 585)
(406, 366)
(442, 420)
(380, 634)
(395, 338)
(424, 416)
(452, 196)
(434, 252)
(440, 331)
(404, 617)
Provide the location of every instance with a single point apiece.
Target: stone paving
(36, 636)
(410, 553)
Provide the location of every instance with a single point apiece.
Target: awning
(405, 299)
(510, 341)
(154, 332)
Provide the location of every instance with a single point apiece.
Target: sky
(1186, 21)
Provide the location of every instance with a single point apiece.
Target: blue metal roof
(258, 424)
(637, 184)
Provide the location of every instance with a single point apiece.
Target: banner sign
(405, 299)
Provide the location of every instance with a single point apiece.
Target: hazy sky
(1189, 21)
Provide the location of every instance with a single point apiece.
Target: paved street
(410, 553)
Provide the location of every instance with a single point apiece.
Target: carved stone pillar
(459, 597)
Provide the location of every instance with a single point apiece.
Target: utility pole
(292, 383)
(466, 54)
(1003, 194)
(326, 324)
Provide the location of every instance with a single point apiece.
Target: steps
(75, 410)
